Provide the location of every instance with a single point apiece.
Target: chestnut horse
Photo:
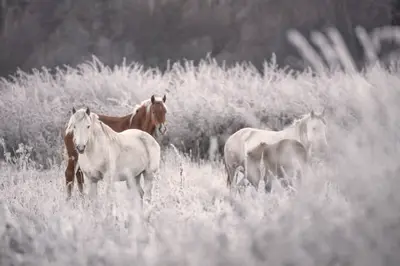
(147, 116)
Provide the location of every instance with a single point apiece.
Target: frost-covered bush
(203, 101)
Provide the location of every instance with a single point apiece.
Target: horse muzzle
(80, 148)
(162, 128)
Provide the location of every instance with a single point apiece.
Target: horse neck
(291, 132)
(296, 131)
(301, 132)
(102, 132)
(118, 124)
(142, 120)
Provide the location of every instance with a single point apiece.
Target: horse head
(80, 125)
(158, 111)
(315, 131)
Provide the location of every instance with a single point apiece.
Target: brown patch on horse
(70, 170)
(118, 124)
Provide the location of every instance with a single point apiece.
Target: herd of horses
(100, 147)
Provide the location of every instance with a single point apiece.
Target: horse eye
(88, 126)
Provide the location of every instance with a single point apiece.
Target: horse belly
(132, 161)
(92, 170)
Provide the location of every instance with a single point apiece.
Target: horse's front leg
(113, 175)
(253, 173)
(80, 180)
(270, 172)
(93, 189)
(284, 178)
(69, 176)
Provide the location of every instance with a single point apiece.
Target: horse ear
(164, 98)
(87, 111)
(73, 110)
(153, 99)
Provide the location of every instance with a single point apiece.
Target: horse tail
(228, 178)
(149, 143)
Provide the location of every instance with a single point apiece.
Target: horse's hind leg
(268, 182)
(284, 178)
(269, 173)
(231, 178)
(138, 186)
(148, 179)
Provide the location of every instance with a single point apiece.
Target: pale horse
(309, 130)
(107, 155)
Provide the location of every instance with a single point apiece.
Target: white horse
(122, 156)
(309, 130)
(286, 159)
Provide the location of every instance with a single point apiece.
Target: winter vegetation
(345, 213)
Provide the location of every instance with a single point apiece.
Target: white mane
(108, 131)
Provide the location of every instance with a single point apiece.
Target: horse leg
(284, 178)
(69, 175)
(253, 173)
(231, 178)
(148, 178)
(138, 186)
(270, 172)
(93, 189)
(80, 180)
(268, 182)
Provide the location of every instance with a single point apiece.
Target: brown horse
(147, 116)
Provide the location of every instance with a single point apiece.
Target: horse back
(234, 146)
(118, 124)
(147, 142)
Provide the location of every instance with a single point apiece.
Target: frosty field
(345, 213)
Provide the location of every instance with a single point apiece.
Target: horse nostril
(80, 148)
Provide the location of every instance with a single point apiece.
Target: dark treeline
(37, 33)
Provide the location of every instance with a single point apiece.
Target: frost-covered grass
(346, 213)
(203, 101)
